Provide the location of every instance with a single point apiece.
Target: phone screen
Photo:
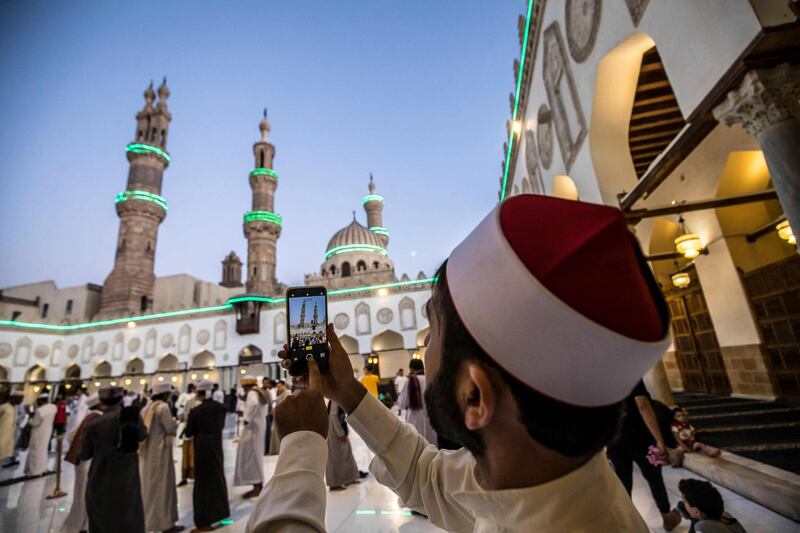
(307, 309)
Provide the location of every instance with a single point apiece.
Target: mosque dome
(353, 235)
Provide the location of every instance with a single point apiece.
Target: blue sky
(296, 305)
(415, 92)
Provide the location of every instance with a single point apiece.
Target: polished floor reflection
(368, 506)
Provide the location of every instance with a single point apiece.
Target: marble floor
(367, 506)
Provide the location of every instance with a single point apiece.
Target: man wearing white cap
(77, 520)
(542, 320)
(156, 468)
(42, 424)
(250, 453)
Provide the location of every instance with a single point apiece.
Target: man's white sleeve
(423, 477)
(294, 499)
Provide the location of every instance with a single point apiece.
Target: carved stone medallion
(102, 348)
(134, 344)
(583, 20)
(5, 349)
(167, 340)
(341, 321)
(41, 351)
(72, 352)
(544, 134)
(203, 336)
(385, 315)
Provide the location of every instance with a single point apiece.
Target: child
(684, 435)
(702, 504)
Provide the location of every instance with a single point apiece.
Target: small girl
(684, 435)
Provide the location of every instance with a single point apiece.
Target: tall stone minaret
(262, 226)
(373, 205)
(128, 289)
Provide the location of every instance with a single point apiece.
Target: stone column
(767, 105)
(657, 384)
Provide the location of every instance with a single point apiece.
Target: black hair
(678, 409)
(704, 496)
(114, 400)
(415, 364)
(567, 429)
(371, 368)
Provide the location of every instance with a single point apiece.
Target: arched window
(333, 270)
(376, 265)
(261, 159)
(144, 304)
(149, 248)
(345, 269)
(361, 265)
(153, 134)
(163, 137)
(140, 135)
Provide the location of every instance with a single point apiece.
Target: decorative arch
(134, 366)
(421, 335)
(73, 371)
(102, 369)
(346, 269)
(220, 334)
(349, 344)
(388, 340)
(408, 314)
(22, 351)
(36, 373)
(167, 363)
(250, 354)
(363, 322)
(280, 328)
(117, 348)
(55, 353)
(204, 359)
(150, 343)
(87, 349)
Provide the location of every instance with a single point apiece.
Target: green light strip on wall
(269, 300)
(141, 195)
(138, 148)
(379, 230)
(372, 198)
(110, 322)
(355, 248)
(264, 172)
(268, 216)
(516, 99)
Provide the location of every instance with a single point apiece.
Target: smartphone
(307, 309)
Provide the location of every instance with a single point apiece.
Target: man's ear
(477, 396)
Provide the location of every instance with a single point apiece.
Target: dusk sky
(415, 92)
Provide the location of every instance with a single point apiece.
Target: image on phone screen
(308, 316)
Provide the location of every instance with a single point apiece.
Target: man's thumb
(314, 378)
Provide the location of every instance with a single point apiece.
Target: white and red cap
(556, 292)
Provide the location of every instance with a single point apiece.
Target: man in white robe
(77, 520)
(42, 430)
(528, 359)
(8, 423)
(156, 467)
(250, 453)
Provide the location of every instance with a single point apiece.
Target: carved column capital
(764, 98)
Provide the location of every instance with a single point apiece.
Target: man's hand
(305, 409)
(339, 384)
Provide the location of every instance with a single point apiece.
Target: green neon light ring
(268, 300)
(516, 99)
(141, 195)
(379, 230)
(264, 172)
(267, 216)
(355, 248)
(372, 198)
(138, 148)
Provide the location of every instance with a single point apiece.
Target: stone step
(774, 434)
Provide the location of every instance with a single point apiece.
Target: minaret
(262, 226)
(315, 320)
(128, 289)
(302, 323)
(231, 271)
(373, 205)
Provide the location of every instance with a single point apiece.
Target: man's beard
(445, 415)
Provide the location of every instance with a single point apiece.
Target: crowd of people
(536, 383)
(310, 338)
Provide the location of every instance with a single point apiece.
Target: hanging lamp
(785, 232)
(688, 244)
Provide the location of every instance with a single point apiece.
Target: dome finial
(354, 215)
(264, 126)
(163, 94)
(371, 184)
(149, 96)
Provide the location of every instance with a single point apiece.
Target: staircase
(765, 431)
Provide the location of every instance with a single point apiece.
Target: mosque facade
(137, 329)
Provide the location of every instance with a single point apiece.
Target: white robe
(442, 484)
(79, 412)
(250, 453)
(8, 423)
(157, 470)
(42, 422)
(417, 417)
